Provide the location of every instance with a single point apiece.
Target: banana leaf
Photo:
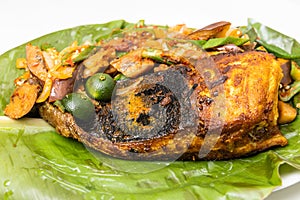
(37, 163)
(275, 42)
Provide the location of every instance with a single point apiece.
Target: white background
(21, 21)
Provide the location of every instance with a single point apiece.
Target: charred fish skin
(249, 117)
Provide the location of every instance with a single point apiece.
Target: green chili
(295, 71)
(215, 42)
(121, 53)
(120, 77)
(156, 55)
(296, 101)
(84, 54)
(288, 94)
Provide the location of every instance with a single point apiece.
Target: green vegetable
(37, 162)
(140, 23)
(121, 53)
(79, 105)
(100, 86)
(59, 105)
(215, 42)
(120, 77)
(295, 71)
(288, 94)
(275, 42)
(198, 43)
(84, 54)
(156, 55)
(296, 102)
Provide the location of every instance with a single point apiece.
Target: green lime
(79, 105)
(100, 86)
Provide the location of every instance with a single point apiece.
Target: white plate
(22, 21)
(290, 184)
(290, 176)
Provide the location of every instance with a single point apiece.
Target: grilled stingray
(186, 112)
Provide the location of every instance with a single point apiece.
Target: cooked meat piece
(225, 107)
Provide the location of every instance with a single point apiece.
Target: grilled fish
(180, 102)
(222, 107)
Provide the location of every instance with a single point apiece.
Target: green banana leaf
(37, 163)
(275, 42)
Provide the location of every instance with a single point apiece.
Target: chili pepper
(120, 77)
(156, 55)
(84, 54)
(63, 72)
(21, 79)
(215, 42)
(59, 105)
(287, 95)
(295, 71)
(294, 88)
(21, 63)
(140, 24)
(74, 53)
(121, 53)
(46, 91)
(296, 101)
